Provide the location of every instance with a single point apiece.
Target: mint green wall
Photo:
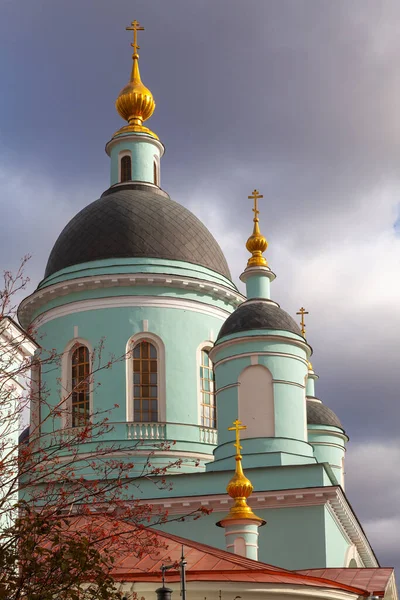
(329, 447)
(336, 544)
(287, 362)
(142, 151)
(310, 388)
(294, 538)
(258, 286)
(116, 326)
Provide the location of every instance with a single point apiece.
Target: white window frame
(66, 381)
(156, 163)
(207, 345)
(121, 155)
(159, 344)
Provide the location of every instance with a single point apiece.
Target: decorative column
(241, 524)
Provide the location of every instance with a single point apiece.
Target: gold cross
(302, 312)
(237, 427)
(255, 196)
(135, 27)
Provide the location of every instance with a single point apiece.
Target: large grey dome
(136, 220)
(258, 314)
(319, 414)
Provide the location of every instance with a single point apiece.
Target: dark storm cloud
(297, 98)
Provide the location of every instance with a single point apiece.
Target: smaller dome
(319, 414)
(258, 314)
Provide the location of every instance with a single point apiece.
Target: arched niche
(256, 402)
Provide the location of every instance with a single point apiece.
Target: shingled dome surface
(258, 314)
(133, 221)
(319, 414)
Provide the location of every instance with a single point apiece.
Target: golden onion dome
(135, 102)
(239, 488)
(257, 244)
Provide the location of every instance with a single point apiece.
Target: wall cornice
(33, 303)
(331, 497)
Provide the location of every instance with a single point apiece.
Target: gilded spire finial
(135, 102)
(135, 27)
(239, 488)
(256, 244)
(302, 312)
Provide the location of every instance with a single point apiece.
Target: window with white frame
(80, 385)
(126, 168)
(208, 411)
(145, 382)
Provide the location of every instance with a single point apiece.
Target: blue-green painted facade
(180, 306)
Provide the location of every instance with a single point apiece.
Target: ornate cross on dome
(237, 427)
(256, 197)
(135, 27)
(302, 312)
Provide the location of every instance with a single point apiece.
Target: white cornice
(134, 137)
(272, 337)
(129, 301)
(331, 497)
(16, 340)
(41, 296)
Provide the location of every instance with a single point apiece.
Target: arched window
(208, 412)
(80, 386)
(145, 382)
(126, 168)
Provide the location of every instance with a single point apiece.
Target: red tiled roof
(373, 580)
(206, 563)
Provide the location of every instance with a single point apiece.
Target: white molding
(134, 137)
(227, 387)
(258, 353)
(15, 339)
(127, 302)
(213, 290)
(338, 434)
(161, 382)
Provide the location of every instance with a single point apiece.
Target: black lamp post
(164, 593)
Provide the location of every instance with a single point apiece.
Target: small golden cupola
(135, 102)
(240, 524)
(240, 488)
(256, 244)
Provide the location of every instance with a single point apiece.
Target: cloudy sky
(300, 99)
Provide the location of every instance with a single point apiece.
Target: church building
(217, 383)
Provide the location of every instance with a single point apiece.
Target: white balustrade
(146, 431)
(208, 436)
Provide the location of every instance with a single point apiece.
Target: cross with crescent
(256, 197)
(135, 27)
(237, 427)
(302, 312)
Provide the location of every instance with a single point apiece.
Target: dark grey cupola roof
(319, 414)
(136, 220)
(258, 314)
